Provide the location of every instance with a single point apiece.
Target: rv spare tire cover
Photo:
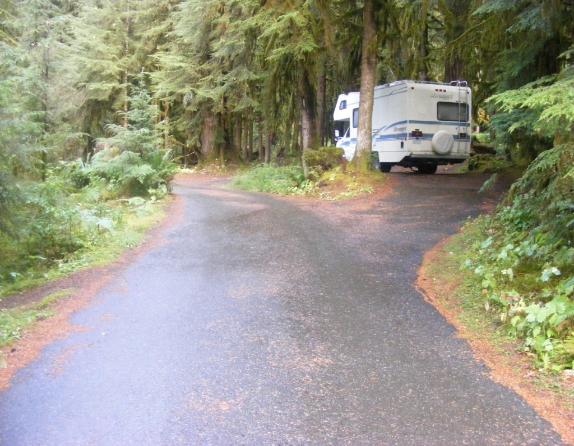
(442, 142)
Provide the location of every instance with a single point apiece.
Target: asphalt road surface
(271, 321)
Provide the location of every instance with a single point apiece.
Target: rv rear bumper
(413, 161)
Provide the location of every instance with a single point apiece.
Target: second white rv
(415, 124)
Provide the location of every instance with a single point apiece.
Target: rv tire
(427, 168)
(385, 167)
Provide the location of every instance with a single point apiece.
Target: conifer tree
(101, 67)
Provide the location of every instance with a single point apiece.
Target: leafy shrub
(323, 159)
(481, 138)
(526, 261)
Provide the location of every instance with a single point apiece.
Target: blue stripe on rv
(452, 123)
(404, 136)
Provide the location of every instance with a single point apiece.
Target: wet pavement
(272, 321)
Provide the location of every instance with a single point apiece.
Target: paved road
(267, 321)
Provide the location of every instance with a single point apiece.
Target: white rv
(415, 124)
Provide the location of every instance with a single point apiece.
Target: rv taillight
(417, 133)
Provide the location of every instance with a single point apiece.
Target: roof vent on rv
(442, 142)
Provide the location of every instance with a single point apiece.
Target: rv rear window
(355, 118)
(452, 111)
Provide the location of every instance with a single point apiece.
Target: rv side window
(343, 105)
(355, 118)
(452, 111)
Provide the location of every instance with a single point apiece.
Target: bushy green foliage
(526, 260)
(531, 117)
(332, 184)
(134, 163)
(56, 225)
(44, 223)
(127, 173)
(49, 222)
(323, 159)
(139, 132)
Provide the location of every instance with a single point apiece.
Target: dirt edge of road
(84, 286)
(507, 367)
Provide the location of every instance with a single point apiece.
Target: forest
(101, 101)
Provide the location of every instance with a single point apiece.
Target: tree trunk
(368, 81)
(423, 63)
(166, 145)
(237, 135)
(308, 114)
(458, 11)
(250, 146)
(88, 151)
(261, 129)
(295, 138)
(244, 139)
(46, 109)
(454, 68)
(126, 55)
(208, 135)
(269, 147)
(321, 102)
(227, 145)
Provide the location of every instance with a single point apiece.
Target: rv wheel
(385, 167)
(427, 168)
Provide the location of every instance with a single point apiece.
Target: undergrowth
(523, 256)
(281, 180)
(57, 217)
(86, 234)
(327, 178)
(487, 164)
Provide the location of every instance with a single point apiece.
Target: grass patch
(13, 322)
(280, 180)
